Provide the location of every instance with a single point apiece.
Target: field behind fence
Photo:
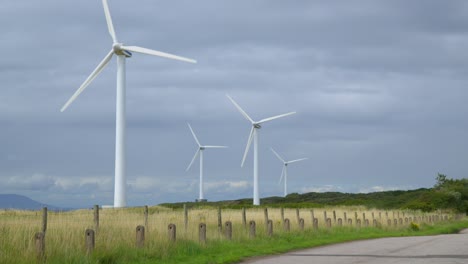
(28, 236)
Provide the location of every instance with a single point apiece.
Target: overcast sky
(379, 87)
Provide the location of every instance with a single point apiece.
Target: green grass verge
(222, 251)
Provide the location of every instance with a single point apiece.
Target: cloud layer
(379, 87)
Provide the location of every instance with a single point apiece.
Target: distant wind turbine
(122, 52)
(256, 125)
(284, 172)
(199, 152)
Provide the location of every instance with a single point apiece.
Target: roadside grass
(236, 251)
(115, 239)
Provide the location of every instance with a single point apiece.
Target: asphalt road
(427, 249)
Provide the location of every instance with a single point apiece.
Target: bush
(414, 226)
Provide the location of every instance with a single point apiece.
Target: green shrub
(414, 226)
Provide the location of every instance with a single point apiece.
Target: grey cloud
(379, 88)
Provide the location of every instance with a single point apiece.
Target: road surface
(425, 249)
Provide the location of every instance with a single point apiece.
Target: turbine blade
(296, 160)
(193, 159)
(275, 117)
(249, 142)
(88, 80)
(215, 146)
(194, 136)
(240, 109)
(157, 53)
(277, 155)
(110, 25)
(282, 173)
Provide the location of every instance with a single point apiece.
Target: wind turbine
(285, 170)
(256, 125)
(122, 52)
(199, 152)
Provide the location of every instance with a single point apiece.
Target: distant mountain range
(15, 201)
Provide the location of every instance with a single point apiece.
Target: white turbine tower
(122, 53)
(284, 172)
(199, 152)
(256, 125)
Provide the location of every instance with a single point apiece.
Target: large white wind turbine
(122, 53)
(199, 152)
(284, 172)
(256, 125)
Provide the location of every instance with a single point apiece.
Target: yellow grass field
(65, 235)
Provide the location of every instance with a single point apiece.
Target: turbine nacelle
(257, 125)
(118, 50)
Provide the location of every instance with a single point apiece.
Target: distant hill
(15, 201)
(382, 200)
(451, 194)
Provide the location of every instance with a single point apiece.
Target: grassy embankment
(115, 240)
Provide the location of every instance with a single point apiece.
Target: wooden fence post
(329, 224)
(228, 230)
(345, 218)
(146, 217)
(96, 218)
(220, 221)
(282, 215)
(358, 223)
(252, 232)
(270, 228)
(202, 233)
(325, 216)
(172, 232)
(140, 236)
(334, 216)
(265, 213)
(39, 238)
(244, 218)
(301, 224)
(340, 222)
(297, 215)
(185, 217)
(315, 223)
(44, 220)
(286, 225)
(312, 216)
(89, 241)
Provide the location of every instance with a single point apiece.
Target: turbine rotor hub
(117, 48)
(257, 126)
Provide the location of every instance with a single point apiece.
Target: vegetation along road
(424, 249)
